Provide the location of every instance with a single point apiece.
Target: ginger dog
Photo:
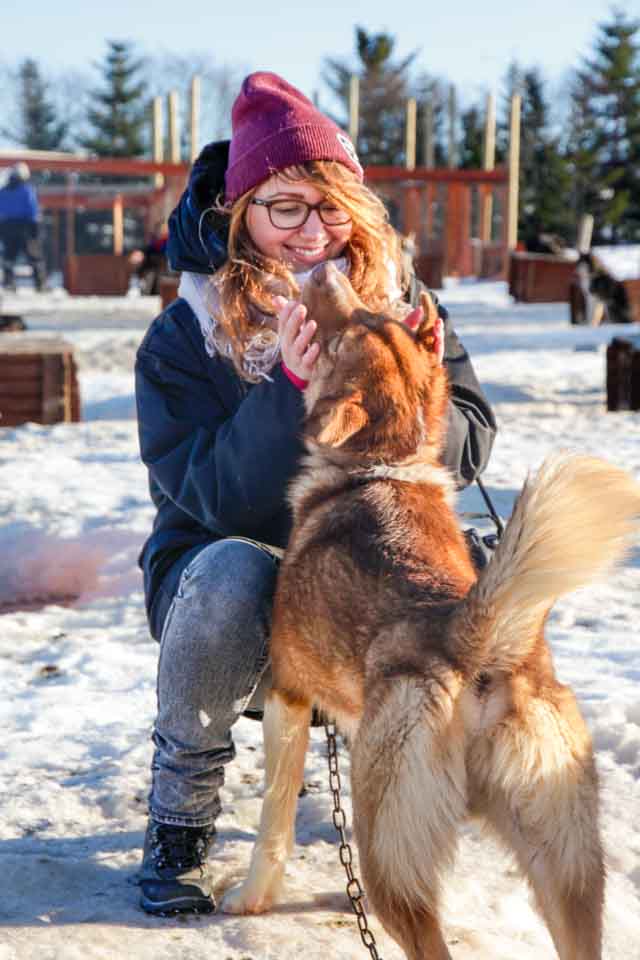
(442, 682)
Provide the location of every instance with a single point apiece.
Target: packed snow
(78, 667)
(623, 263)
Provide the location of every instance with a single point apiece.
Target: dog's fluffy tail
(570, 524)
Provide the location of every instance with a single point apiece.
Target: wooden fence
(445, 211)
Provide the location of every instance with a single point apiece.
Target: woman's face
(299, 247)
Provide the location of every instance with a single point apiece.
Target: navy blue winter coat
(220, 451)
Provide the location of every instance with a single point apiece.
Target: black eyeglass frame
(310, 208)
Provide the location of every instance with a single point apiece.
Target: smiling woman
(296, 224)
(220, 380)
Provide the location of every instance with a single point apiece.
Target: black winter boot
(174, 876)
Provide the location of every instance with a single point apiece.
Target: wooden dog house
(541, 277)
(38, 381)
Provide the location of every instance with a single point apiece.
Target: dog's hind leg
(286, 737)
(539, 792)
(409, 800)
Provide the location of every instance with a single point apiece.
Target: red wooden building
(444, 210)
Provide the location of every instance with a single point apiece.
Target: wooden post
(489, 162)
(411, 213)
(118, 225)
(195, 116)
(452, 154)
(593, 306)
(70, 219)
(429, 150)
(55, 240)
(174, 139)
(158, 139)
(514, 172)
(428, 227)
(457, 230)
(354, 108)
(585, 232)
(410, 135)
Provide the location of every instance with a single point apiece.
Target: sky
(77, 682)
(469, 44)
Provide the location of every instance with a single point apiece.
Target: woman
(220, 377)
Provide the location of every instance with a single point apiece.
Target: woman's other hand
(416, 317)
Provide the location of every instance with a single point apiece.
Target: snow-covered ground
(78, 680)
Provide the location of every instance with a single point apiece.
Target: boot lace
(179, 847)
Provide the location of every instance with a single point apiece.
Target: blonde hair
(245, 285)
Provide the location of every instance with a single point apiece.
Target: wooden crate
(429, 268)
(492, 262)
(623, 373)
(97, 274)
(168, 288)
(632, 290)
(38, 381)
(540, 277)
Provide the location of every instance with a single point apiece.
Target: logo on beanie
(348, 148)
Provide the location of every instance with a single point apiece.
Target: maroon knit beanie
(275, 126)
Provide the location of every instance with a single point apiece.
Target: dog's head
(378, 391)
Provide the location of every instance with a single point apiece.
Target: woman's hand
(296, 332)
(416, 317)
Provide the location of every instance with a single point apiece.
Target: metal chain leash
(354, 889)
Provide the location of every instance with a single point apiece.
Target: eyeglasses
(291, 214)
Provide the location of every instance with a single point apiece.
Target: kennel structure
(446, 213)
(97, 210)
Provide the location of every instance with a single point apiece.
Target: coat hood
(197, 235)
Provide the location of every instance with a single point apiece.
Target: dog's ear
(346, 418)
(429, 333)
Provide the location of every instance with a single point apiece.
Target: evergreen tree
(384, 89)
(429, 90)
(120, 115)
(545, 181)
(512, 85)
(545, 176)
(604, 140)
(582, 156)
(39, 126)
(471, 152)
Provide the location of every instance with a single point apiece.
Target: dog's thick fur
(443, 685)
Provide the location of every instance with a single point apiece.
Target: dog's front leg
(286, 737)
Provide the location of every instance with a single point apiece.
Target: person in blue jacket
(220, 376)
(20, 226)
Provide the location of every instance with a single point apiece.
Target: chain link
(354, 890)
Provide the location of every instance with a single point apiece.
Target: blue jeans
(213, 653)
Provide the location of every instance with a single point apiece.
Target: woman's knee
(228, 582)
(214, 645)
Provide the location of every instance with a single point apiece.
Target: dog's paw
(243, 900)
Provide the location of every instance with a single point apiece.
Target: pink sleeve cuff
(295, 380)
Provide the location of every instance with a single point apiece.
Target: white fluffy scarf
(263, 350)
